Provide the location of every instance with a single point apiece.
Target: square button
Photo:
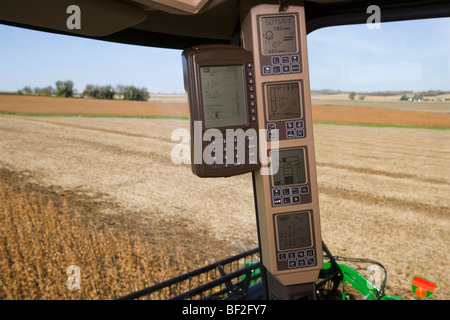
(300, 133)
(271, 126)
(282, 256)
(290, 134)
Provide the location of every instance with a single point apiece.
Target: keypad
(288, 195)
(292, 130)
(298, 259)
(282, 65)
(234, 152)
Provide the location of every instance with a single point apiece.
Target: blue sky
(412, 55)
(408, 55)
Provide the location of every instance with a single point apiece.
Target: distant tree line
(65, 89)
(97, 92)
(122, 92)
(47, 91)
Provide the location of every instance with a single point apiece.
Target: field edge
(358, 124)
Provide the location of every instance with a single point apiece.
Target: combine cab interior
(293, 262)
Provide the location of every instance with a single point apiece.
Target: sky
(412, 55)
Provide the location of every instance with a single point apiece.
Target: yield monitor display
(284, 110)
(291, 185)
(223, 95)
(295, 245)
(283, 101)
(279, 44)
(278, 34)
(219, 81)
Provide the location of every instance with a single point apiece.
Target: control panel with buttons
(294, 246)
(290, 185)
(284, 110)
(220, 84)
(282, 64)
(287, 197)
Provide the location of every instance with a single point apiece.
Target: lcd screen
(293, 231)
(278, 35)
(291, 169)
(223, 95)
(283, 101)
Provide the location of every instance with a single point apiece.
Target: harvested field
(384, 192)
(393, 113)
(71, 106)
(441, 103)
(367, 115)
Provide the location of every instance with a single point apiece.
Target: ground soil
(32, 104)
(349, 114)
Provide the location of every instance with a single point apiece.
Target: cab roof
(178, 24)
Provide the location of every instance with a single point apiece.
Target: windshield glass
(381, 108)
